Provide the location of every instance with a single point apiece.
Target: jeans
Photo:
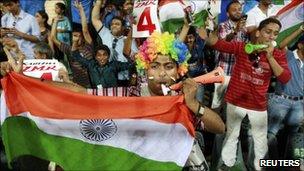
(280, 110)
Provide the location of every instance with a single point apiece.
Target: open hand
(78, 5)
(64, 76)
(5, 68)
(10, 44)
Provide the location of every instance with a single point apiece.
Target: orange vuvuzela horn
(215, 76)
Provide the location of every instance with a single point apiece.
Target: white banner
(145, 12)
(46, 69)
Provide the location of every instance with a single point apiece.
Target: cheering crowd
(256, 113)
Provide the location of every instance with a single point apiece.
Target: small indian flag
(291, 18)
(171, 12)
(85, 132)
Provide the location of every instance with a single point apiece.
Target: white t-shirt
(43, 68)
(256, 15)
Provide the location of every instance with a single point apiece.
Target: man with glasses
(246, 93)
(21, 26)
(113, 38)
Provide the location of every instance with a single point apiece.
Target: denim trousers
(284, 111)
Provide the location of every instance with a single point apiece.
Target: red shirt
(248, 84)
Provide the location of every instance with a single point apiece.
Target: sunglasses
(114, 43)
(14, 23)
(255, 59)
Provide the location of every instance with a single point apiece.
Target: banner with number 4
(146, 18)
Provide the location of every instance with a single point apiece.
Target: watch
(200, 111)
(302, 27)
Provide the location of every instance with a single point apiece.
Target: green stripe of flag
(286, 33)
(21, 136)
(172, 25)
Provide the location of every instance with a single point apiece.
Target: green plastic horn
(249, 48)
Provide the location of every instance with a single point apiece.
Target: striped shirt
(225, 60)
(80, 74)
(111, 91)
(249, 84)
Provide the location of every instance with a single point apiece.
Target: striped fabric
(112, 91)
(248, 85)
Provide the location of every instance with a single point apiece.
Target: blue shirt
(64, 24)
(32, 6)
(295, 86)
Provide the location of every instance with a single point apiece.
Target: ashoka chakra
(97, 129)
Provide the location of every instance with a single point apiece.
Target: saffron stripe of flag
(85, 132)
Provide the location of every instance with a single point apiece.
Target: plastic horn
(249, 48)
(215, 76)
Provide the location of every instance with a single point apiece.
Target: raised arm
(185, 29)
(84, 24)
(96, 15)
(127, 44)
(15, 64)
(291, 37)
(11, 45)
(83, 61)
(54, 32)
(211, 39)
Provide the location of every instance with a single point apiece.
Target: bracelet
(302, 27)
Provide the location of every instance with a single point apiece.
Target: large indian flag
(171, 12)
(85, 132)
(291, 17)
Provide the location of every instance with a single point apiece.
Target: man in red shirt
(246, 93)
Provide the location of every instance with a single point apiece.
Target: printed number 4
(149, 26)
